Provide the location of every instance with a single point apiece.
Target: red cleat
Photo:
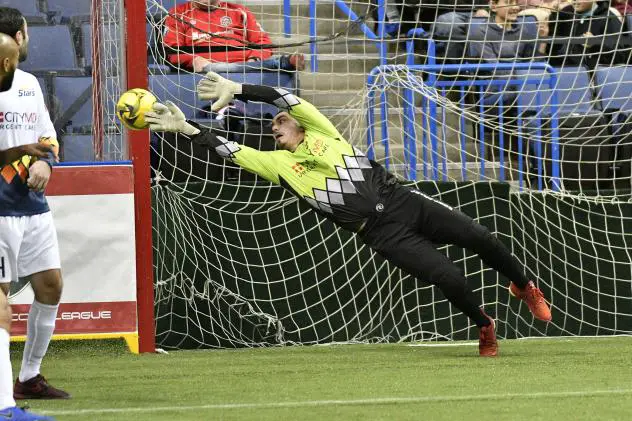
(534, 299)
(37, 388)
(487, 344)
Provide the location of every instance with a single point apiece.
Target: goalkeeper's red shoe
(37, 388)
(534, 299)
(487, 344)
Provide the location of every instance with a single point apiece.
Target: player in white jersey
(28, 240)
(37, 150)
(9, 54)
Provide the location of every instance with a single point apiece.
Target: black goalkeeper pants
(407, 227)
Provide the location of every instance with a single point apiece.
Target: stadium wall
(93, 210)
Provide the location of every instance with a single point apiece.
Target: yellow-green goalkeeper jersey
(327, 172)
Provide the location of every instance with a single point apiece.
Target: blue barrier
(91, 163)
(352, 16)
(313, 48)
(287, 20)
(409, 109)
(410, 46)
(433, 83)
(379, 38)
(381, 46)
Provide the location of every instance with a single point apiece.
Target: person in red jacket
(216, 36)
(623, 6)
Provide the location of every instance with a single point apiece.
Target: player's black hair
(285, 111)
(11, 21)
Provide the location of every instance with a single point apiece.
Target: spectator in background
(547, 6)
(431, 10)
(404, 15)
(397, 20)
(542, 15)
(205, 35)
(450, 25)
(542, 10)
(550, 5)
(501, 38)
(587, 33)
(623, 6)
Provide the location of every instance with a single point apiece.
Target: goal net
(492, 109)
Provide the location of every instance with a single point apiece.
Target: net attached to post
(522, 127)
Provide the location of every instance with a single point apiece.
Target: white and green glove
(169, 118)
(215, 88)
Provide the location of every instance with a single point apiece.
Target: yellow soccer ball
(132, 106)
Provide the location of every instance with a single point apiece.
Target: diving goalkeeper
(402, 224)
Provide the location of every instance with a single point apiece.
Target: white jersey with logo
(24, 119)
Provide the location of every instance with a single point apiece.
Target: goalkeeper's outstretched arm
(222, 91)
(169, 118)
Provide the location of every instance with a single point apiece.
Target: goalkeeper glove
(169, 118)
(221, 90)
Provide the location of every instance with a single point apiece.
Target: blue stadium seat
(70, 9)
(574, 94)
(585, 149)
(77, 148)
(51, 49)
(614, 85)
(180, 89)
(67, 90)
(29, 9)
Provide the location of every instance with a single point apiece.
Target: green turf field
(544, 379)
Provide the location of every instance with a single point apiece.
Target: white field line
(571, 338)
(528, 338)
(349, 402)
(442, 344)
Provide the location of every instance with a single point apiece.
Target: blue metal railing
(429, 107)
(410, 143)
(91, 163)
(287, 19)
(378, 38)
(410, 46)
(430, 111)
(312, 36)
(353, 17)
